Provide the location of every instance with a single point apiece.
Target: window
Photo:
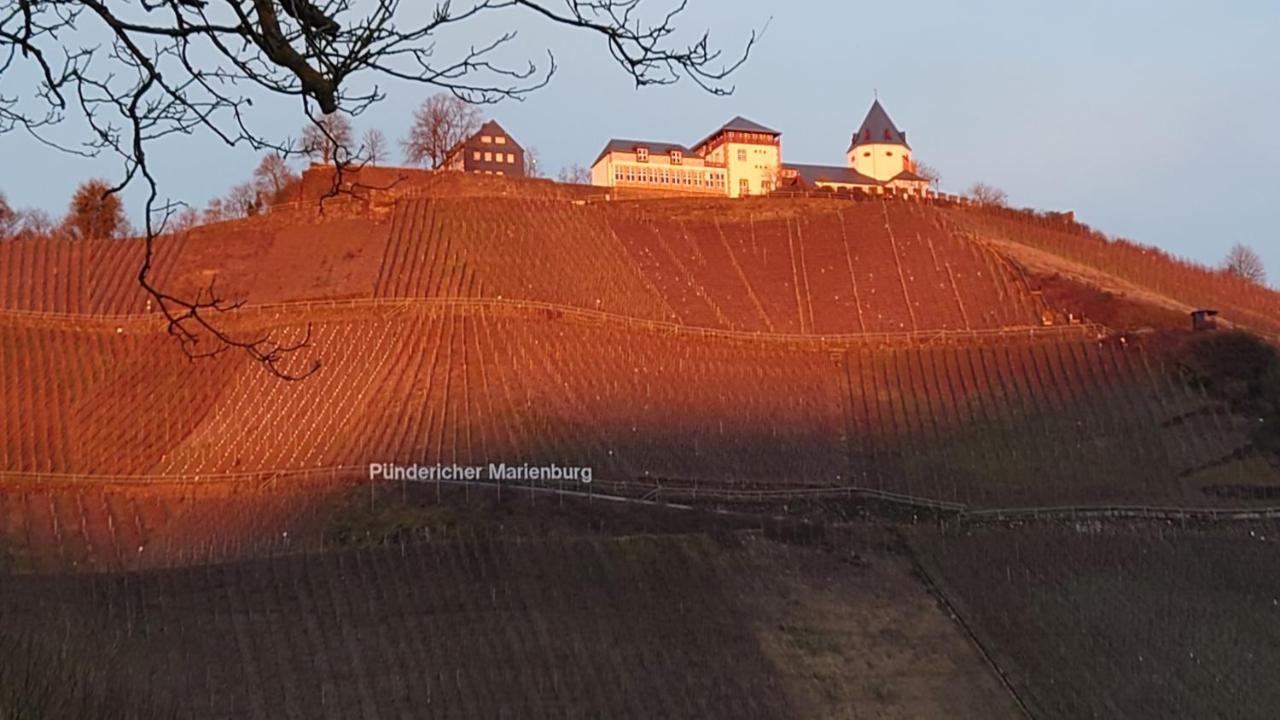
(866, 154)
(475, 155)
(488, 157)
(642, 154)
(486, 139)
(511, 159)
(742, 156)
(744, 187)
(888, 153)
(887, 135)
(677, 157)
(500, 172)
(766, 186)
(501, 140)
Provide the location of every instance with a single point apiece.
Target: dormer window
(677, 157)
(866, 135)
(642, 154)
(887, 134)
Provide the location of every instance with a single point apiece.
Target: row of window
(744, 186)
(677, 157)
(642, 155)
(491, 140)
(659, 175)
(508, 158)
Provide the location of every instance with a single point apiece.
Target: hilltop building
(491, 151)
(744, 158)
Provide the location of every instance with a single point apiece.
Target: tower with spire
(879, 149)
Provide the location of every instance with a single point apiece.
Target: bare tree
(373, 147)
(243, 201)
(328, 139)
(575, 174)
(439, 124)
(930, 173)
(1243, 262)
(532, 158)
(8, 218)
(34, 222)
(274, 178)
(129, 74)
(96, 212)
(215, 211)
(184, 220)
(988, 194)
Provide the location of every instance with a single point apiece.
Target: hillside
(681, 348)
(850, 459)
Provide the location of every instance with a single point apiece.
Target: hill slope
(679, 347)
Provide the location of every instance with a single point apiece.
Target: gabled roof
(739, 124)
(489, 128)
(656, 148)
(742, 124)
(908, 175)
(878, 128)
(493, 128)
(814, 174)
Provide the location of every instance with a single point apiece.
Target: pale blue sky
(1152, 119)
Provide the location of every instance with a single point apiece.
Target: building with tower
(744, 158)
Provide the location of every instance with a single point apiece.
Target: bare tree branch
(131, 74)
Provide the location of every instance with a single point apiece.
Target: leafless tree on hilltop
(532, 160)
(373, 147)
(988, 194)
(273, 177)
(8, 218)
(930, 173)
(328, 139)
(575, 174)
(131, 74)
(1243, 262)
(440, 123)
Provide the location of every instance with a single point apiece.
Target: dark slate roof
(655, 148)
(493, 128)
(908, 175)
(742, 124)
(813, 174)
(739, 124)
(490, 128)
(878, 128)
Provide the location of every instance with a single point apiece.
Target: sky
(1153, 120)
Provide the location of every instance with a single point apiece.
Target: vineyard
(672, 626)
(988, 421)
(755, 386)
(1137, 622)
(1195, 286)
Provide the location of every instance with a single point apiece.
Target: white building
(744, 158)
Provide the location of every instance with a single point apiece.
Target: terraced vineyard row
(626, 628)
(1243, 302)
(1135, 622)
(867, 267)
(102, 527)
(1019, 422)
(91, 277)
